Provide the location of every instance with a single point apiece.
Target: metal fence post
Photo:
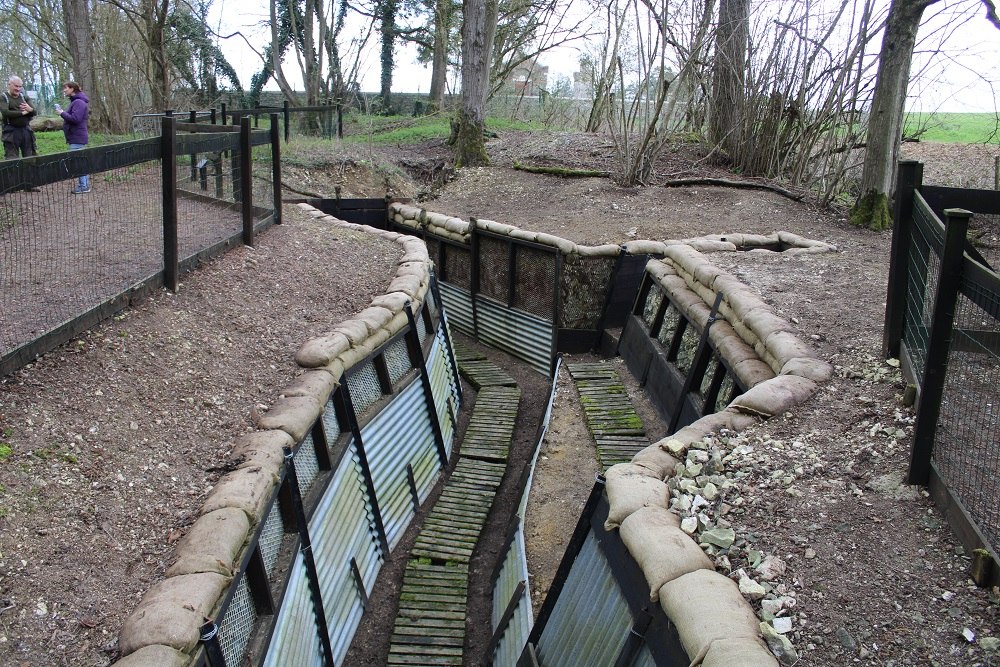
(942, 324)
(193, 118)
(417, 359)
(168, 166)
(276, 167)
(288, 117)
(305, 548)
(246, 180)
(343, 396)
(908, 180)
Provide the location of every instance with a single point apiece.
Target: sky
(957, 78)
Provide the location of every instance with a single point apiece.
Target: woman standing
(75, 126)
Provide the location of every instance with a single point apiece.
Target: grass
(55, 141)
(954, 128)
(414, 129)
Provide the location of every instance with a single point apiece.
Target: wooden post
(996, 173)
(909, 176)
(942, 324)
(168, 166)
(246, 180)
(276, 168)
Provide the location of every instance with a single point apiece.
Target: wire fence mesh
(967, 441)
(68, 260)
(921, 283)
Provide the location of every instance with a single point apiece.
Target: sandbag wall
(639, 533)
(289, 544)
(524, 292)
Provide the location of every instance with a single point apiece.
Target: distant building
(529, 78)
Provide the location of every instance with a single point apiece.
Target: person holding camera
(75, 126)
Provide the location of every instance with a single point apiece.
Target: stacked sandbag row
(164, 630)
(716, 625)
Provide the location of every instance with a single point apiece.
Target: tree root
(564, 172)
(725, 182)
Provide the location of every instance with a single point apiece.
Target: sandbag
(213, 544)
(172, 613)
(293, 414)
(318, 384)
(742, 652)
(663, 551)
(155, 656)
(706, 607)
(322, 350)
(774, 397)
(248, 489)
(630, 487)
(659, 462)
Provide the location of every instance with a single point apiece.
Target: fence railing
(326, 120)
(72, 260)
(943, 323)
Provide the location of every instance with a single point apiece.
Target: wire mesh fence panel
(535, 289)
(583, 290)
(456, 266)
(967, 441)
(62, 254)
(208, 165)
(984, 235)
(263, 180)
(921, 283)
(494, 268)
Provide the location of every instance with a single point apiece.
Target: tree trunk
(728, 77)
(886, 120)
(439, 69)
(156, 13)
(478, 30)
(387, 21)
(79, 38)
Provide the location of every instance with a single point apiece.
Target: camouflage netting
(165, 627)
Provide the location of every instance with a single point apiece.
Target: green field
(954, 128)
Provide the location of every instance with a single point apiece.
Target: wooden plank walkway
(430, 623)
(491, 427)
(613, 422)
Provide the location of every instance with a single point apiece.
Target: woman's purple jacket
(75, 119)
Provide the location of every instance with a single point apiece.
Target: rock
(751, 589)
(711, 491)
(810, 553)
(693, 469)
(675, 447)
(772, 568)
(780, 646)
(720, 537)
(846, 640)
(782, 625)
(690, 525)
(892, 486)
(990, 644)
(969, 635)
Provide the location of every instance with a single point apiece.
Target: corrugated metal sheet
(342, 529)
(443, 387)
(644, 658)
(295, 640)
(514, 571)
(525, 336)
(400, 434)
(458, 304)
(591, 620)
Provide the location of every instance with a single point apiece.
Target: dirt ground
(116, 438)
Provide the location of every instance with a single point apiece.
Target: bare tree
(478, 30)
(885, 122)
(728, 83)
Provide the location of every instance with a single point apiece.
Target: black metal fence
(325, 120)
(157, 207)
(943, 323)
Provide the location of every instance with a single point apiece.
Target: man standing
(18, 138)
(75, 126)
